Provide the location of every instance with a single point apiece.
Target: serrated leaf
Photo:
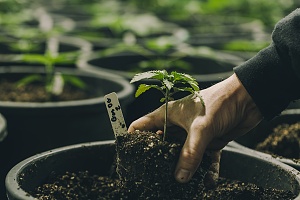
(184, 89)
(194, 85)
(143, 88)
(168, 84)
(186, 78)
(161, 75)
(181, 77)
(155, 74)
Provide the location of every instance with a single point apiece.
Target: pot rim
(3, 127)
(11, 176)
(287, 161)
(220, 57)
(127, 88)
(84, 46)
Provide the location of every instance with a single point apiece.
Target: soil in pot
(144, 170)
(278, 138)
(145, 165)
(37, 126)
(83, 185)
(283, 141)
(36, 92)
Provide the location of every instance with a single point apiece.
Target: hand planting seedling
(168, 86)
(146, 161)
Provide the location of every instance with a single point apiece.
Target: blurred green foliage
(245, 45)
(10, 6)
(268, 11)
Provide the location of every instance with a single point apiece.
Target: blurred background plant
(159, 27)
(209, 36)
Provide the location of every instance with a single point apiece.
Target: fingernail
(183, 175)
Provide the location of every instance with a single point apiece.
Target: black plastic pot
(207, 70)
(98, 157)
(261, 132)
(66, 44)
(218, 32)
(294, 105)
(3, 128)
(37, 127)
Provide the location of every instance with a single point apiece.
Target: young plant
(54, 81)
(168, 86)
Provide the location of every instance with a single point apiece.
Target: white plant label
(115, 114)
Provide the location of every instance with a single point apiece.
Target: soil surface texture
(144, 169)
(36, 93)
(283, 141)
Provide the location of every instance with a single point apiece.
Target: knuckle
(191, 155)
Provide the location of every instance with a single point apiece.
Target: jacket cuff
(269, 81)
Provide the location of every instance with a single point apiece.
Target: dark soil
(82, 185)
(144, 170)
(283, 141)
(36, 93)
(237, 190)
(146, 165)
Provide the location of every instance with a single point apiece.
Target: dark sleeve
(272, 77)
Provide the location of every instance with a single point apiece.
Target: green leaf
(75, 81)
(168, 88)
(194, 85)
(67, 57)
(186, 78)
(29, 79)
(168, 84)
(155, 74)
(184, 89)
(35, 58)
(144, 87)
(162, 99)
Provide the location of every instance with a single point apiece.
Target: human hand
(229, 112)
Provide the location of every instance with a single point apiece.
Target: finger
(191, 153)
(150, 122)
(212, 175)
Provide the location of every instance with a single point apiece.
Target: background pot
(206, 69)
(3, 128)
(261, 132)
(98, 157)
(37, 127)
(66, 44)
(294, 105)
(207, 66)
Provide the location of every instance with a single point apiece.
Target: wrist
(241, 95)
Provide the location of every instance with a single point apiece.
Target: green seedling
(54, 81)
(168, 86)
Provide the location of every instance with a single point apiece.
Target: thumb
(191, 154)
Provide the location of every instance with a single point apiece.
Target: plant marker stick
(115, 114)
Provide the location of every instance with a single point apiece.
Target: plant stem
(166, 115)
